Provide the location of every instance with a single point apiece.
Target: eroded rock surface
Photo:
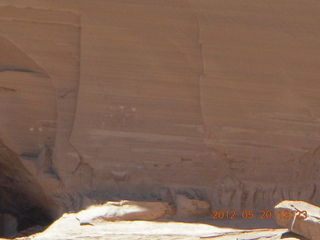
(214, 100)
(299, 217)
(191, 207)
(68, 226)
(125, 210)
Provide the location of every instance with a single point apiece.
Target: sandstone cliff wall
(217, 100)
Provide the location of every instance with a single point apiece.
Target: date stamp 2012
(282, 214)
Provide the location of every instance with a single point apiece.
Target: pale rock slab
(191, 207)
(125, 210)
(290, 214)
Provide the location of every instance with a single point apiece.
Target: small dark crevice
(8, 89)
(15, 69)
(29, 155)
(11, 69)
(52, 173)
(67, 93)
(47, 163)
(186, 159)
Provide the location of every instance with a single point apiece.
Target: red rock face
(215, 100)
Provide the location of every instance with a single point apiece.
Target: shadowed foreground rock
(23, 203)
(299, 217)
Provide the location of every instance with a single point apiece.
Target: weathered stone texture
(125, 210)
(299, 217)
(214, 100)
(191, 207)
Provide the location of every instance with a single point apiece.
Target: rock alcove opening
(23, 203)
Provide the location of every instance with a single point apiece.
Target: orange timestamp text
(243, 215)
(285, 214)
(282, 214)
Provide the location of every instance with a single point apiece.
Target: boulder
(191, 207)
(299, 217)
(125, 210)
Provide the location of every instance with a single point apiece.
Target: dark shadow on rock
(293, 235)
(20, 194)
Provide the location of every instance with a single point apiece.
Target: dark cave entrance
(19, 213)
(23, 203)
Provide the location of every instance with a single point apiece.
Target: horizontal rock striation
(214, 100)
